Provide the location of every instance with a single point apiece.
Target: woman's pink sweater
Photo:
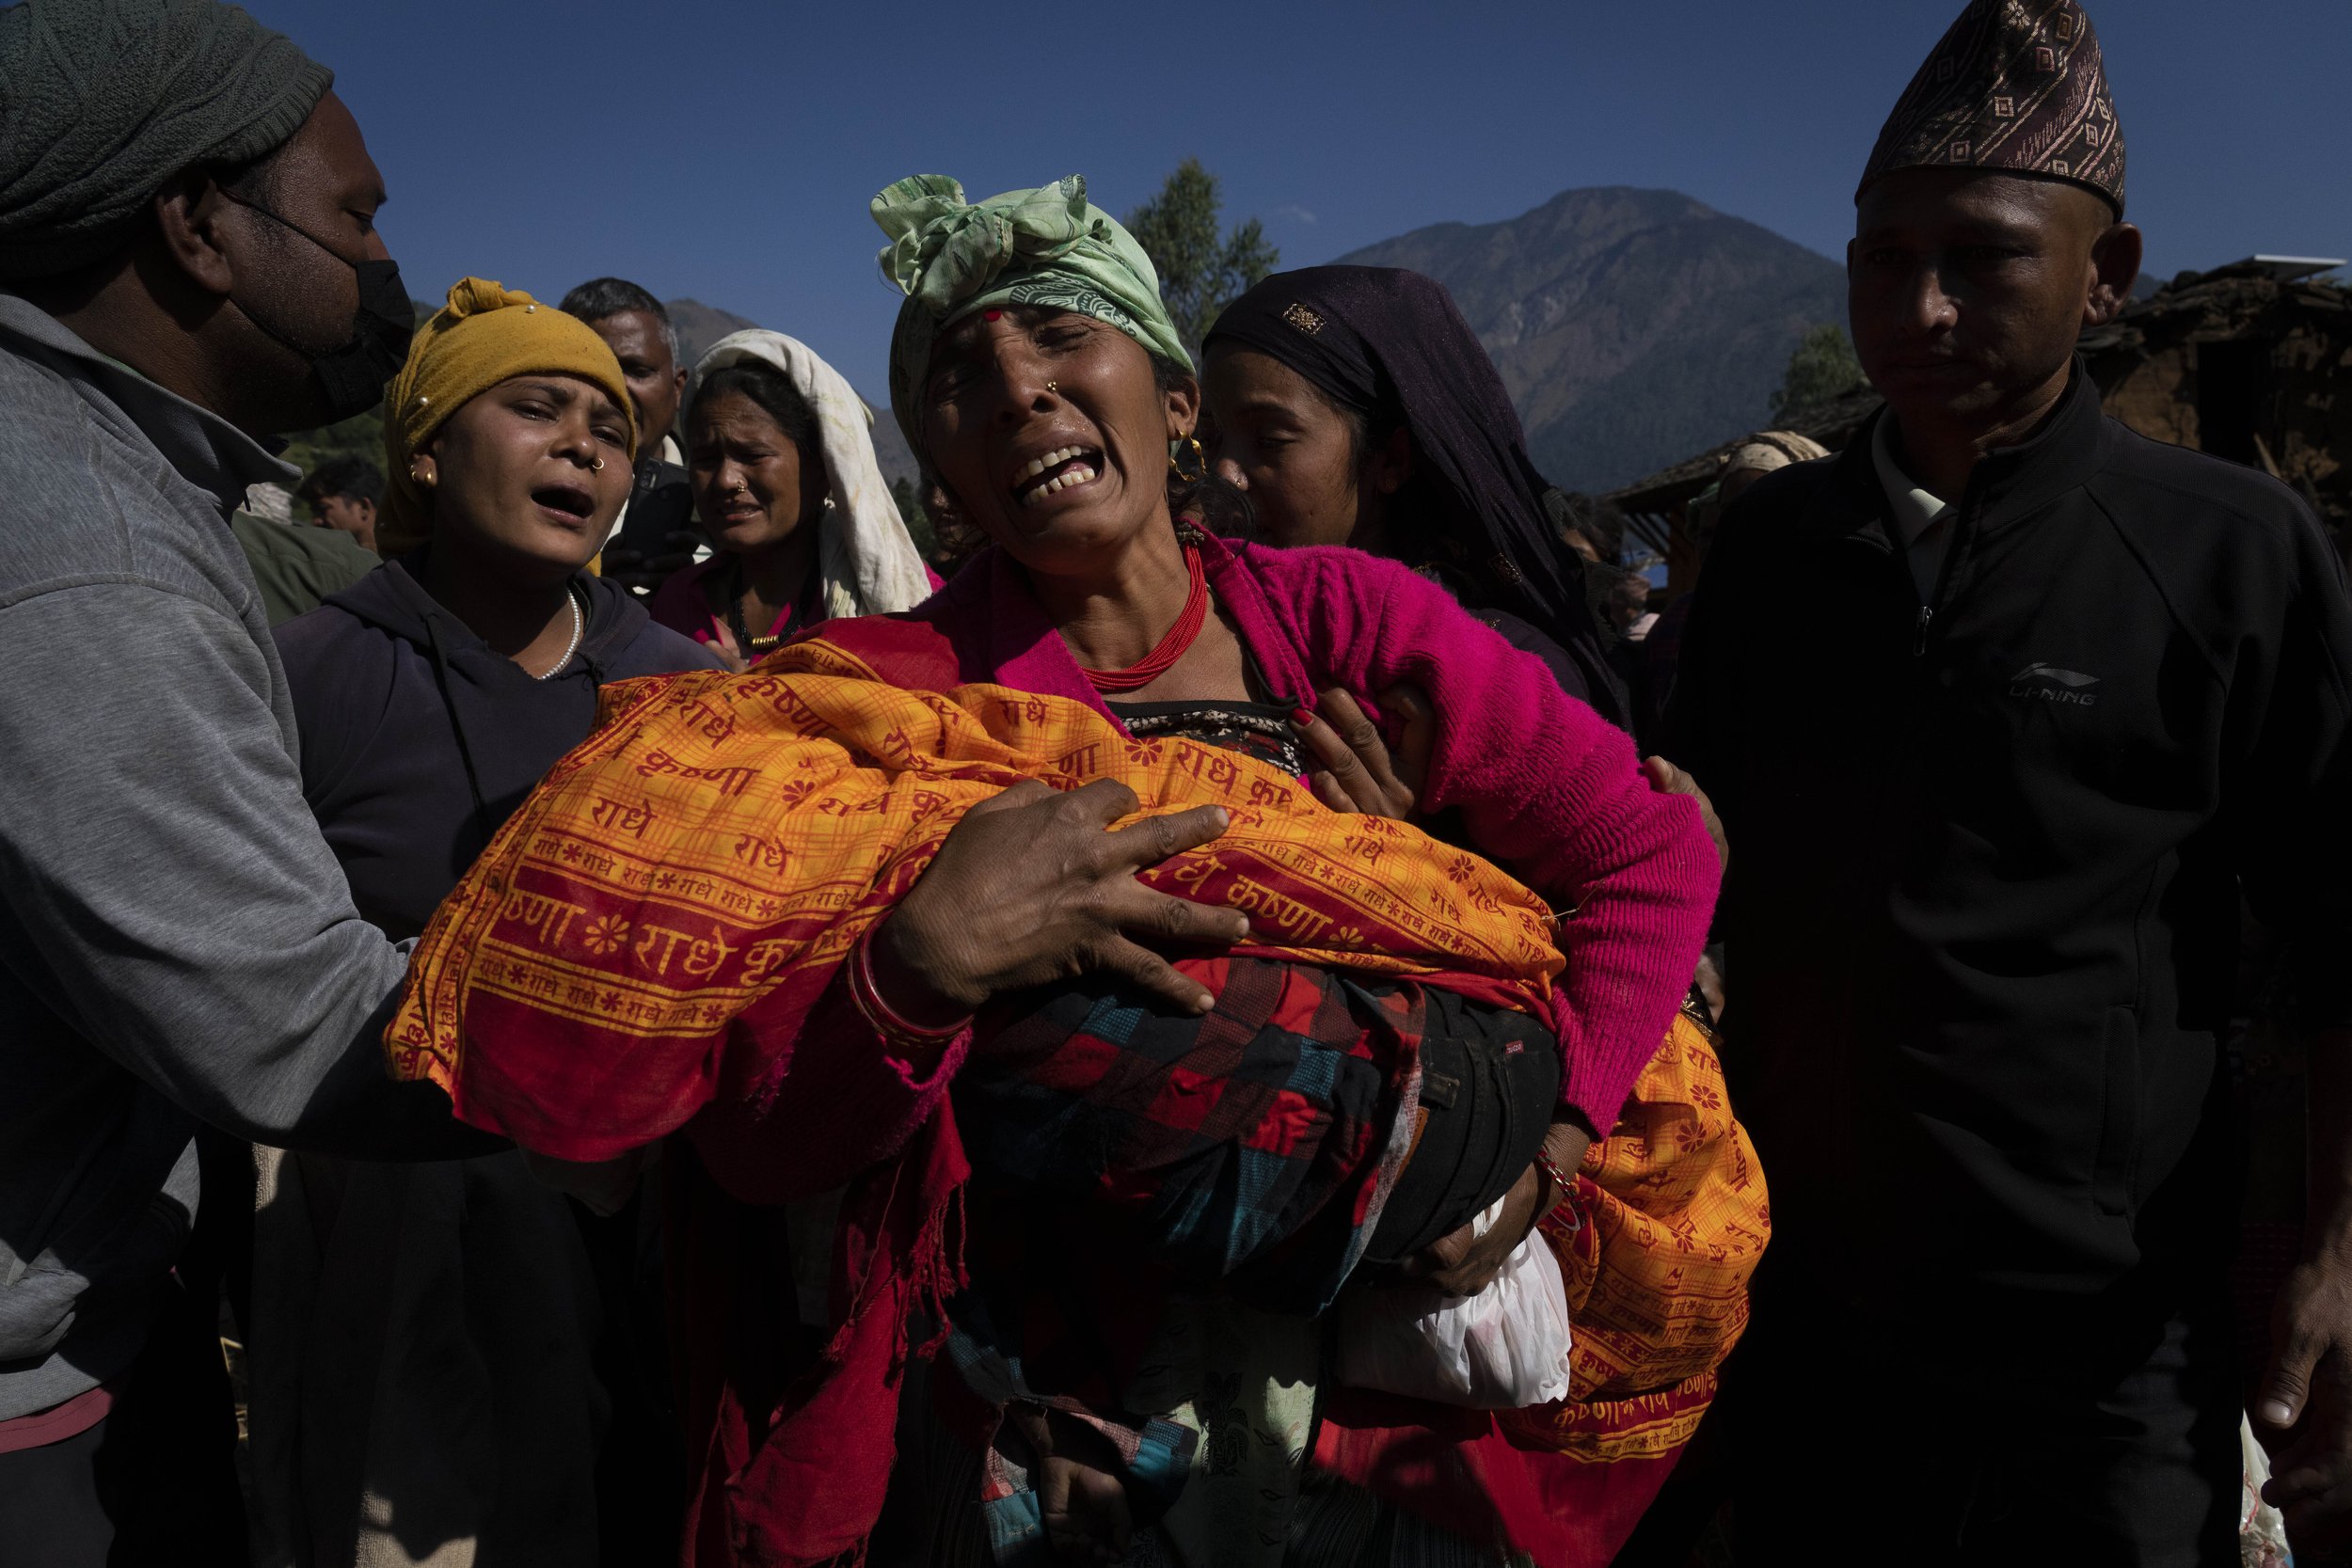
(1544, 785)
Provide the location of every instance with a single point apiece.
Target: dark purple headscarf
(1393, 346)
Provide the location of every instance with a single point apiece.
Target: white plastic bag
(2262, 1534)
(1505, 1348)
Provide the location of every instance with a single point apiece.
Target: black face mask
(351, 378)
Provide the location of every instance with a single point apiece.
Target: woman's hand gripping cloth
(646, 941)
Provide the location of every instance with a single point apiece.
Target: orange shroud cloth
(1670, 1217)
(649, 931)
(652, 925)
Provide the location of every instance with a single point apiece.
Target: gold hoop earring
(416, 475)
(1199, 463)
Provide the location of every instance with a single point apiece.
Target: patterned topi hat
(2015, 86)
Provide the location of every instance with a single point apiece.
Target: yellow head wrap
(485, 334)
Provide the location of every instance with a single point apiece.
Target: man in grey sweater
(189, 263)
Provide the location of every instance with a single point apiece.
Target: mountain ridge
(1632, 326)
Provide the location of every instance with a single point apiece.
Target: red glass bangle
(887, 1020)
(1560, 1179)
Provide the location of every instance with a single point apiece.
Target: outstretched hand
(1080, 1499)
(2307, 1390)
(2307, 1395)
(1035, 886)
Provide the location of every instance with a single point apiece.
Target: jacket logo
(2054, 685)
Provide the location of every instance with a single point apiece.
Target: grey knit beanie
(103, 100)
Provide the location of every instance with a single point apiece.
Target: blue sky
(726, 149)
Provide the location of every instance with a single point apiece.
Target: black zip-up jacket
(418, 739)
(1986, 853)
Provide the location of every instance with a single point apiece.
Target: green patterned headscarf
(1046, 246)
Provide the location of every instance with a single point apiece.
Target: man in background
(342, 494)
(637, 327)
(1992, 823)
(297, 566)
(655, 532)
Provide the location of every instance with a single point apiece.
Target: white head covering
(865, 563)
(1767, 449)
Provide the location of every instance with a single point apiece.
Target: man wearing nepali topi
(1995, 824)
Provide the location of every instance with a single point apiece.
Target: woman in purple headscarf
(1355, 406)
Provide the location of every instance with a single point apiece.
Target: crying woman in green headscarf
(1138, 1350)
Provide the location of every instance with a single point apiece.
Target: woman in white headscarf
(801, 526)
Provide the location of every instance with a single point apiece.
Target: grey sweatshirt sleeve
(167, 891)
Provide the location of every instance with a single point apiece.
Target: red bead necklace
(1180, 637)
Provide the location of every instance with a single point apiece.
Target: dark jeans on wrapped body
(1489, 1081)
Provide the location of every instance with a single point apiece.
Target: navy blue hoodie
(418, 739)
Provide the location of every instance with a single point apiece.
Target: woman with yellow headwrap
(431, 697)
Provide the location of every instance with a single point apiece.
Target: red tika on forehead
(2015, 86)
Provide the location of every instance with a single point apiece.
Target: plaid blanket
(1250, 1148)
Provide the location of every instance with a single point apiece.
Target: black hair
(774, 392)
(1602, 524)
(600, 297)
(1221, 507)
(1629, 586)
(1423, 521)
(353, 478)
(1194, 489)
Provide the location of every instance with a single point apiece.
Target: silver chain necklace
(579, 625)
